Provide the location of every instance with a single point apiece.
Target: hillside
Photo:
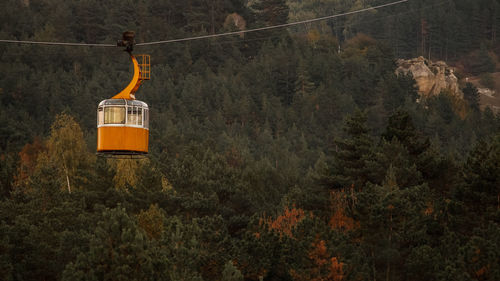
(490, 94)
(285, 154)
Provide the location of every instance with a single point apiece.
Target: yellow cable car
(123, 121)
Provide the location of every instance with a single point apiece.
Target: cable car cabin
(123, 121)
(122, 127)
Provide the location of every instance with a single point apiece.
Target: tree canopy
(292, 154)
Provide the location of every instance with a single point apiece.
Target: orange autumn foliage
(28, 158)
(319, 253)
(482, 271)
(285, 222)
(429, 210)
(339, 220)
(324, 267)
(336, 270)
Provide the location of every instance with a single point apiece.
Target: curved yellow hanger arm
(129, 92)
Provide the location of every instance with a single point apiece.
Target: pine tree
(268, 13)
(481, 190)
(400, 127)
(480, 61)
(423, 263)
(390, 221)
(118, 250)
(351, 154)
(303, 85)
(471, 95)
(231, 273)
(437, 170)
(394, 154)
(6, 267)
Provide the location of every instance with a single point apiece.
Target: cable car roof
(114, 102)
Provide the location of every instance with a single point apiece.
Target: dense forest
(286, 154)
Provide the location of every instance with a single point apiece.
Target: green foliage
(471, 95)
(270, 12)
(118, 250)
(68, 150)
(380, 212)
(480, 62)
(352, 154)
(480, 190)
(423, 263)
(231, 273)
(243, 128)
(6, 268)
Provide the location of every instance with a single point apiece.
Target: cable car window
(146, 118)
(129, 115)
(139, 116)
(114, 115)
(132, 115)
(100, 116)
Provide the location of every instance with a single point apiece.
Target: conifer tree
(6, 268)
(118, 250)
(352, 153)
(269, 13)
(400, 127)
(481, 190)
(231, 273)
(390, 219)
(471, 95)
(303, 85)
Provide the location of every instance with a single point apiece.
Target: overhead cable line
(212, 35)
(273, 26)
(56, 43)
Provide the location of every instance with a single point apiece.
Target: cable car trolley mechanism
(123, 121)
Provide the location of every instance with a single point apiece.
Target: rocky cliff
(432, 77)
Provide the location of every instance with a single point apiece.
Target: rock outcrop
(432, 77)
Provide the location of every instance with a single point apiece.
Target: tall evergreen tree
(351, 154)
(471, 95)
(118, 250)
(481, 190)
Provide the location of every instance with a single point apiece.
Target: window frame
(113, 112)
(136, 113)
